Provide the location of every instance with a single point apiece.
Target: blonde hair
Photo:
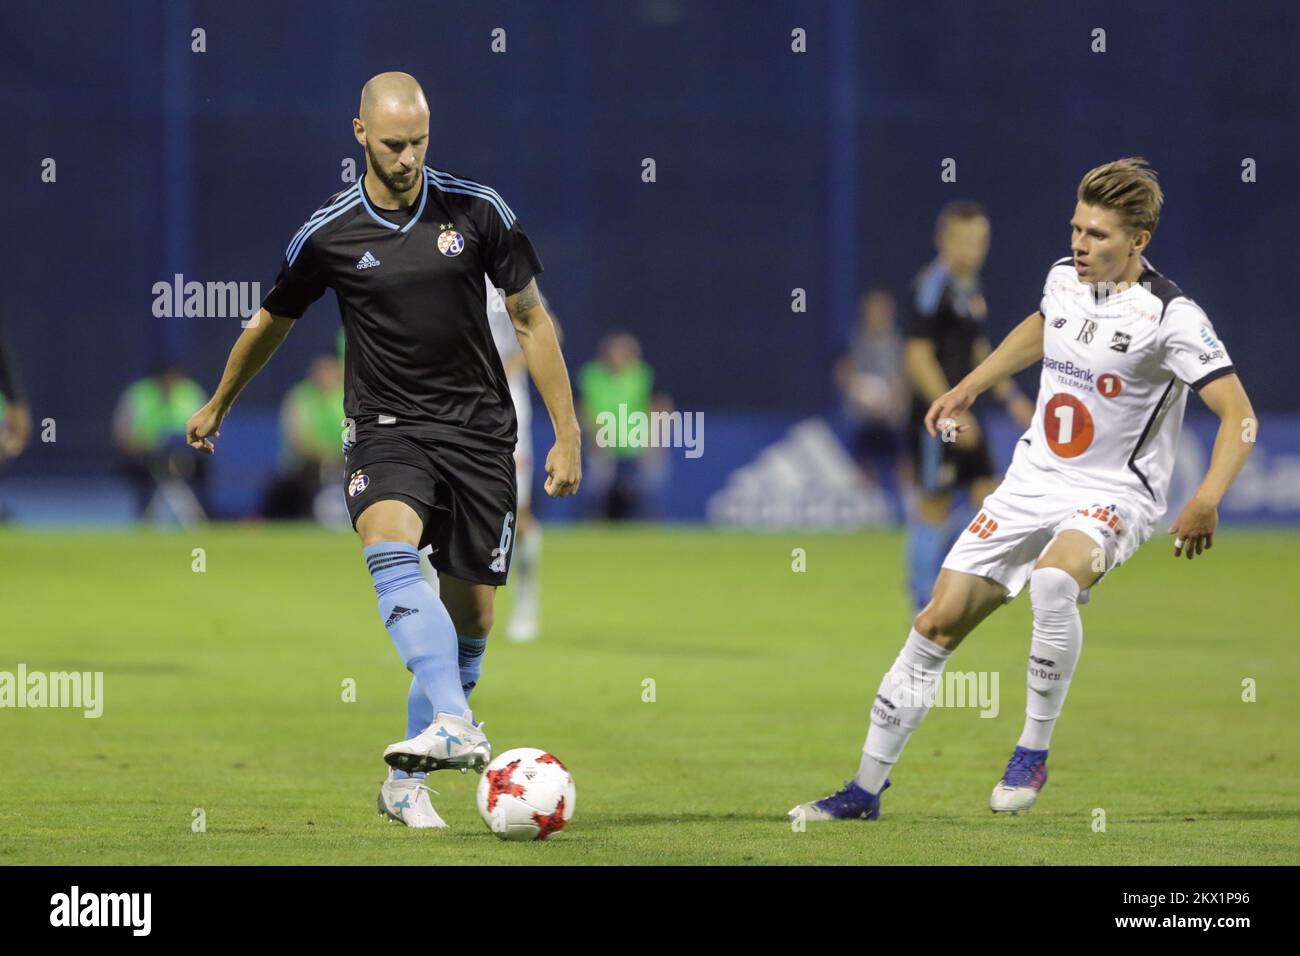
(1128, 186)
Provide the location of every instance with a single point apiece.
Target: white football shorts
(1013, 528)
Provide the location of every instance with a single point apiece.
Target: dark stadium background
(775, 171)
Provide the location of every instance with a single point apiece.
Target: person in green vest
(311, 431)
(613, 387)
(149, 432)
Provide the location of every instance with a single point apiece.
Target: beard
(390, 178)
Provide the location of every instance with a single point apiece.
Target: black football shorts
(464, 496)
(942, 467)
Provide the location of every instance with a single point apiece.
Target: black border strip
(1217, 373)
(1143, 437)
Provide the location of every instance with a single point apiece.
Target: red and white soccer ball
(526, 794)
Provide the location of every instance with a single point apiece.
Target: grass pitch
(223, 691)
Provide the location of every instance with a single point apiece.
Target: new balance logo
(367, 261)
(399, 613)
(983, 526)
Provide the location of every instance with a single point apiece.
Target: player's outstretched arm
(1018, 405)
(541, 348)
(251, 351)
(1238, 428)
(1020, 349)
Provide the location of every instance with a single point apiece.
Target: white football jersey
(1114, 387)
(503, 334)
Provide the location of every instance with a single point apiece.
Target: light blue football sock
(418, 624)
(471, 661)
(419, 714)
(927, 544)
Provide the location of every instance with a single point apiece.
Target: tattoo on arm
(526, 299)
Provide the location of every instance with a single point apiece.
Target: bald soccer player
(432, 430)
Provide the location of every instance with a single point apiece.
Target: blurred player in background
(876, 395)
(1120, 348)
(526, 599)
(405, 250)
(945, 340)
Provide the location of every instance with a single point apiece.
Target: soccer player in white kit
(1120, 347)
(525, 601)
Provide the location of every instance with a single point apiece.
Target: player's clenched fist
(563, 469)
(202, 427)
(947, 412)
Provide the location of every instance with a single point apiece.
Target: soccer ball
(526, 794)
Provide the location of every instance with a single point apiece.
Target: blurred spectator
(876, 395)
(149, 432)
(619, 480)
(15, 421)
(311, 431)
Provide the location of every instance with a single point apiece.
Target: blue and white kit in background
(1099, 453)
(503, 334)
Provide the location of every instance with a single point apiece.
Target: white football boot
(1021, 782)
(406, 801)
(449, 743)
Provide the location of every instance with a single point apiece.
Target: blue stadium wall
(775, 171)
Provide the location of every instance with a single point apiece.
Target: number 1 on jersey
(1068, 425)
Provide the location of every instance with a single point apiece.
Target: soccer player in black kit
(431, 425)
(945, 340)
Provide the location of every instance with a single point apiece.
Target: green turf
(223, 692)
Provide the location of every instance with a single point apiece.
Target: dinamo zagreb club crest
(450, 242)
(358, 484)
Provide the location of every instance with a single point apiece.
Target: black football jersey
(944, 311)
(419, 356)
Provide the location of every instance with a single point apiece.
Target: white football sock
(1053, 652)
(905, 696)
(527, 594)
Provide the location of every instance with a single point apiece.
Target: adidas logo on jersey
(367, 261)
